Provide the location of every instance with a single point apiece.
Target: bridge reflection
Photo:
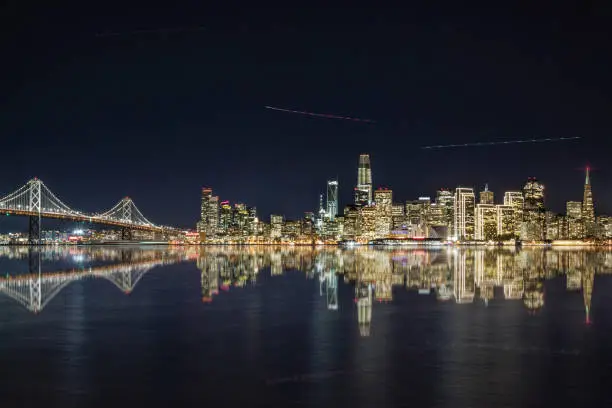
(460, 275)
(35, 289)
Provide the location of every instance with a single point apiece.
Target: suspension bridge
(36, 201)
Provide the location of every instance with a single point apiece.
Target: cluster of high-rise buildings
(453, 215)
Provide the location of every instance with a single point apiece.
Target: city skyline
(378, 217)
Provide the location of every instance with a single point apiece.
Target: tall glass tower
(364, 178)
(588, 210)
(332, 199)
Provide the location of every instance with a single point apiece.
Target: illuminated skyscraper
(209, 213)
(533, 192)
(383, 199)
(486, 222)
(225, 218)
(505, 221)
(398, 216)
(464, 213)
(516, 200)
(364, 177)
(276, 226)
(486, 196)
(534, 212)
(575, 222)
(588, 210)
(351, 222)
(445, 199)
(367, 222)
(213, 215)
(332, 199)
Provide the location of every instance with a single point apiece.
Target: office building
(486, 196)
(516, 200)
(351, 222)
(276, 226)
(209, 214)
(364, 179)
(505, 222)
(383, 200)
(367, 222)
(225, 218)
(575, 222)
(533, 192)
(398, 217)
(534, 212)
(332, 199)
(464, 213)
(486, 222)
(588, 210)
(445, 200)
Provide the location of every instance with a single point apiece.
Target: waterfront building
(276, 226)
(225, 218)
(351, 222)
(534, 212)
(505, 222)
(252, 220)
(464, 213)
(209, 213)
(516, 200)
(574, 219)
(486, 196)
(604, 222)
(290, 230)
(367, 222)
(445, 200)
(486, 222)
(555, 226)
(383, 199)
(398, 216)
(308, 230)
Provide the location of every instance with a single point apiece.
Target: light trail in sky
(506, 142)
(320, 115)
(152, 31)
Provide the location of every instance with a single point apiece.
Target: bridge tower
(35, 200)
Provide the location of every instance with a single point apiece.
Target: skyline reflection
(456, 275)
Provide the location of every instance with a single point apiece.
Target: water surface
(263, 326)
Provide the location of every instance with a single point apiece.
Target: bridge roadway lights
(126, 234)
(34, 230)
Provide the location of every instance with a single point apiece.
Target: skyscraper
(505, 221)
(588, 210)
(486, 222)
(225, 218)
(383, 199)
(533, 192)
(446, 200)
(534, 212)
(208, 213)
(464, 213)
(364, 177)
(486, 196)
(332, 199)
(516, 200)
(574, 218)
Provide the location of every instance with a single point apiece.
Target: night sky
(158, 115)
